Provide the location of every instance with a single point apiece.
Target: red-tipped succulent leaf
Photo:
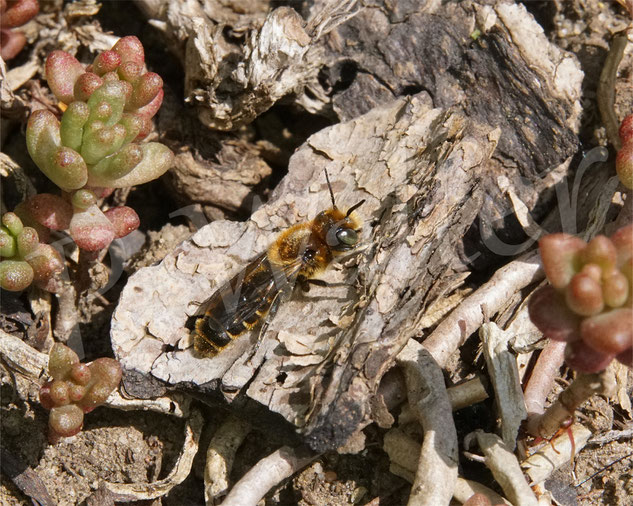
(75, 389)
(589, 304)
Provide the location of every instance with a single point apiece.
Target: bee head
(340, 230)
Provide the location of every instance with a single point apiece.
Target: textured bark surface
(492, 61)
(484, 118)
(325, 351)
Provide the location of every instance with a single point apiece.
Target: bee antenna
(327, 178)
(354, 207)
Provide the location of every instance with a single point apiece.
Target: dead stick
(539, 385)
(540, 465)
(472, 312)
(583, 387)
(67, 314)
(467, 393)
(402, 450)
(506, 470)
(437, 467)
(220, 455)
(267, 473)
(606, 88)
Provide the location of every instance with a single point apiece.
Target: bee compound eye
(347, 236)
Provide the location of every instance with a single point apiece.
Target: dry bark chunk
(325, 352)
(426, 173)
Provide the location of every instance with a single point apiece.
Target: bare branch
(502, 367)
(220, 455)
(583, 387)
(437, 467)
(267, 473)
(506, 470)
(485, 302)
(545, 370)
(467, 393)
(556, 453)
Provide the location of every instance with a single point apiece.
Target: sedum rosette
(75, 389)
(23, 259)
(589, 301)
(96, 146)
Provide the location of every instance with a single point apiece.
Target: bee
(253, 295)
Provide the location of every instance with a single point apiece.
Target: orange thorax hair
(311, 242)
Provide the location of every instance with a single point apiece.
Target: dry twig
(472, 312)
(502, 367)
(220, 455)
(546, 368)
(67, 313)
(403, 454)
(21, 357)
(559, 452)
(606, 88)
(25, 478)
(505, 468)
(267, 473)
(583, 387)
(437, 467)
(467, 393)
(174, 404)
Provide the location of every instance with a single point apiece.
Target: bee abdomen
(210, 337)
(257, 316)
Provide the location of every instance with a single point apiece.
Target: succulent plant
(24, 259)
(589, 301)
(95, 147)
(75, 389)
(14, 13)
(624, 158)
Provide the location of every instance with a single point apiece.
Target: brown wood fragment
(25, 478)
(437, 184)
(349, 336)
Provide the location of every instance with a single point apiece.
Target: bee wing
(262, 288)
(249, 294)
(227, 287)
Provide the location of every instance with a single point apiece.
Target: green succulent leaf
(72, 124)
(15, 275)
(157, 159)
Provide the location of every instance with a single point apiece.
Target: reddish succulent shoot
(75, 389)
(23, 259)
(624, 158)
(124, 219)
(12, 14)
(11, 43)
(94, 148)
(589, 305)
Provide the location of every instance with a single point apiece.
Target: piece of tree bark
(325, 352)
(426, 175)
(25, 478)
(494, 61)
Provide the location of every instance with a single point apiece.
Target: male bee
(253, 296)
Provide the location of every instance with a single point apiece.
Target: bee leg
(305, 283)
(269, 317)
